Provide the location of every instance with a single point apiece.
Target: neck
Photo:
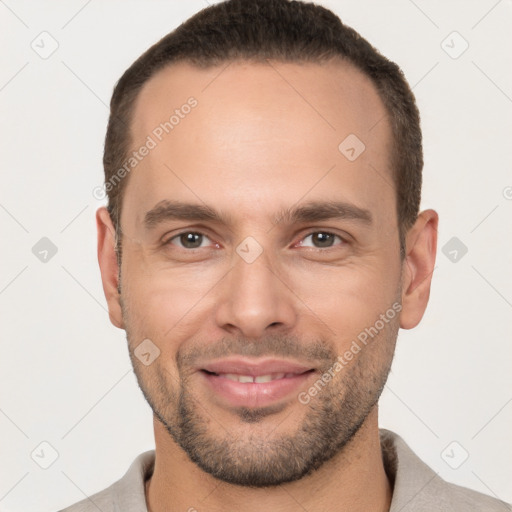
(354, 480)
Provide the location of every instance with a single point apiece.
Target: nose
(254, 299)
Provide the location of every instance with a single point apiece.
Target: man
(262, 245)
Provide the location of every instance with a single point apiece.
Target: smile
(258, 379)
(248, 383)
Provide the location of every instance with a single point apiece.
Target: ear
(418, 266)
(109, 267)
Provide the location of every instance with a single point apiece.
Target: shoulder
(101, 500)
(447, 496)
(126, 494)
(416, 487)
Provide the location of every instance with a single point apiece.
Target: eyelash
(168, 242)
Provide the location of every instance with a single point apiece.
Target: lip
(254, 368)
(254, 394)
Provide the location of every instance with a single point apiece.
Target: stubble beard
(327, 423)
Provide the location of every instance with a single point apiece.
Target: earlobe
(109, 267)
(418, 266)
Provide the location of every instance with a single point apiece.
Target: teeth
(263, 378)
(250, 378)
(231, 376)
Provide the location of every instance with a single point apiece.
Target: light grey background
(66, 375)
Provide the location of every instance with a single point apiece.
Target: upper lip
(254, 368)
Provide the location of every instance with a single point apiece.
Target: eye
(188, 240)
(320, 240)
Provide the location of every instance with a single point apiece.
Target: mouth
(246, 383)
(258, 379)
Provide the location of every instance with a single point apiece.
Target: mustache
(320, 352)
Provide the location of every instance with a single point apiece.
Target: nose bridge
(254, 297)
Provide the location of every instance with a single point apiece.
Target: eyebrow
(312, 211)
(177, 210)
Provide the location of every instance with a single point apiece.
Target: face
(261, 263)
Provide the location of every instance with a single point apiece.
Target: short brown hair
(281, 30)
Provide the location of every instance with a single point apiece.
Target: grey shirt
(415, 486)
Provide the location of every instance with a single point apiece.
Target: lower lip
(255, 394)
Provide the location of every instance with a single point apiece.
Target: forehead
(260, 133)
(334, 94)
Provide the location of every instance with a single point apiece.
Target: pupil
(191, 240)
(323, 239)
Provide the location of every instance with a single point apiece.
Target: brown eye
(188, 240)
(321, 239)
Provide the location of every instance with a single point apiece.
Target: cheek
(347, 299)
(164, 302)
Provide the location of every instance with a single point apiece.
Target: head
(263, 169)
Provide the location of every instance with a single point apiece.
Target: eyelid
(186, 231)
(344, 239)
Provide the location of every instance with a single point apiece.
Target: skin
(265, 137)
